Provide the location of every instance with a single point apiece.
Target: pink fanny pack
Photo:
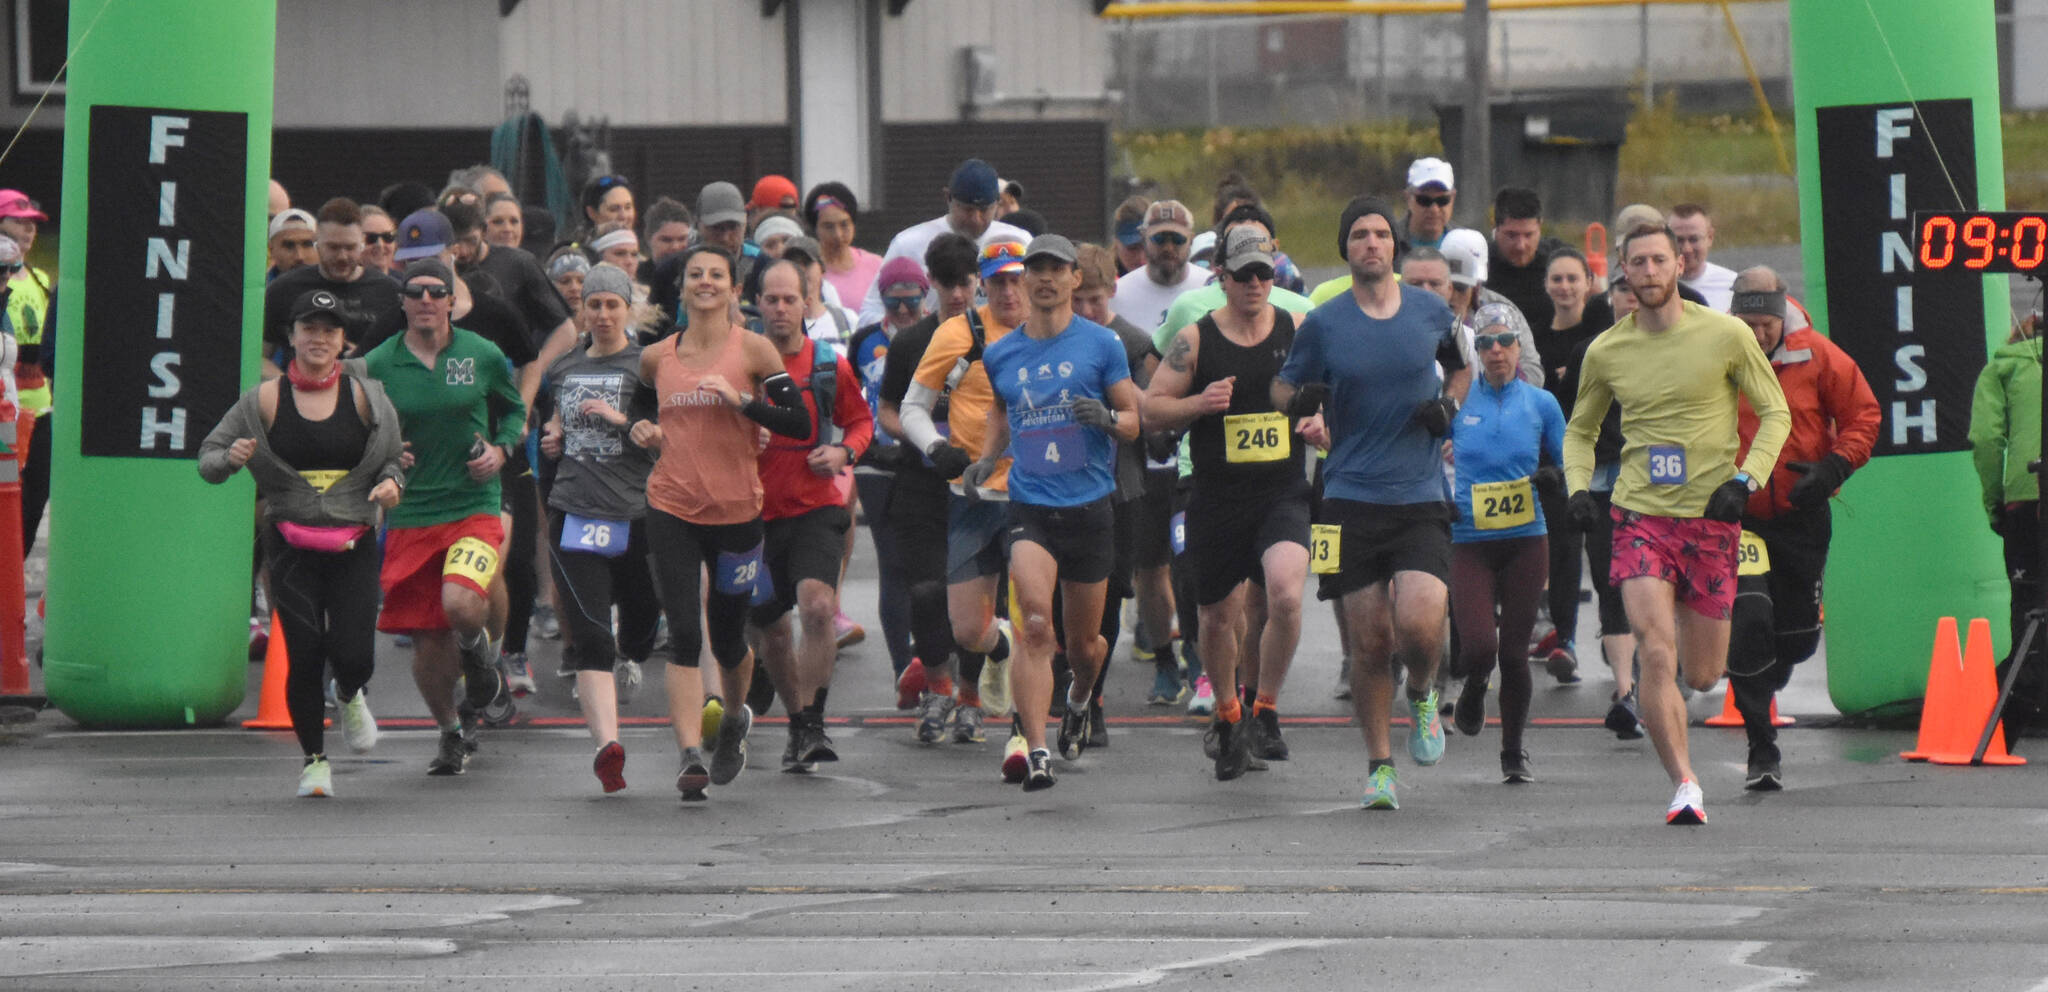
(328, 539)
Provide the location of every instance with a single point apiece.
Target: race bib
(1325, 548)
(739, 573)
(1667, 465)
(1751, 557)
(323, 479)
(604, 537)
(1051, 450)
(471, 558)
(1501, 505)
(1256, 437)
(1179, 530)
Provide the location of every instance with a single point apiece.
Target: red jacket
(1833, 409)
(789, 487)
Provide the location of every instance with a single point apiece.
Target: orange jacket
(1833, 409)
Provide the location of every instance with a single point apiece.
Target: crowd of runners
(653, 438)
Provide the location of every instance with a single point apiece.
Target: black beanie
(1359, 207)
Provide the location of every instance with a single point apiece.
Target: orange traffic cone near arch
(1732, 717)
(271, 711)
(1977, 695)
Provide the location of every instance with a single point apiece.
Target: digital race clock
(1978, 242)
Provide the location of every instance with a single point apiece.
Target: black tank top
(1266, 450)
(334, 444)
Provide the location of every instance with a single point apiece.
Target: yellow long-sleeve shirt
(1677, 390)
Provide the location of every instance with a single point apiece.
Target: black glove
(1161, 445)
(950, 460)
(1307, 400)
(1435, 415)
(975, 475)
(1549, 480)
(1727, 502)
(1998, 523)
(1584, 510)
(1821, 480)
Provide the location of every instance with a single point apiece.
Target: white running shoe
(1688, 807)
(316, 780)
(358, 727)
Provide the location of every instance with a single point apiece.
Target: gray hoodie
(287, 495)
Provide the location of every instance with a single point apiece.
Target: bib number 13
(1325, 548)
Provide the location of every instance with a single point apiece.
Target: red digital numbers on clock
(1982, 242)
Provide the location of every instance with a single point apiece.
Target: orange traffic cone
(1732, 717)
(271, 711)
(1979, 693)
(1944, 688)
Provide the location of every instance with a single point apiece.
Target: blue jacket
(1496, 439)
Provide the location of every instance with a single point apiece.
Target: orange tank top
(706, 473)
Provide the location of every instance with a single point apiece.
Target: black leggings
(893, 589)
(1567, 542)
(681, 550)
(1509, 572)
(35, 482)
(1599, 560)
(327, 604)
(590, 584)
(521, 581)
(917, 518)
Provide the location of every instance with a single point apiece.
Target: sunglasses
(902, 302)
(1003, 249)
(10, 268)
(373, 237)
(1502, 340)
(418, 291)
(607, 182)
(1443, 200)
(1254, 273)
(1169, 238)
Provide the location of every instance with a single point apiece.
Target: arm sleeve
(1851, 404)
(1757, 381)
(780, 408)
(1988, 436)
(1587, 411)
(850, 411)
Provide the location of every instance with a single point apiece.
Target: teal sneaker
(1426, 738)
(1379, 790)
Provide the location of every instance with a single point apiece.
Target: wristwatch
(1747, 480)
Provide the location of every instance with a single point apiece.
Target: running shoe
(626, 676)
(1267, 743)
(567, 669)
(817, 746)
(994, 686)
(848, 632)
(1016, 759)
(1426, 737)
(967, 721)
(610, 766)
(694, 778)
(1470, 714)
(452, 758)
(1098, 728)
(547, 623)
(1343, 680)
(1142, 654)
(1168, 688)
(792, 752)
(1563, 663)
(1514, 767)
(1624, 719)
(1073, 731)
(729, 754)
(1204, 703)
(1212, 744)
(1688, 808)
(933, 712)
(711, 718)
(1764, 774)
(471, 723)
(1233, 748)
(358, 727)
(518, 674)
(401, 640)
(910, 685)
(481, 679)
(316, 780)
(1038, 771)
(1379, 789)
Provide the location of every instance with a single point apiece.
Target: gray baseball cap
(1050, 246)
(721, 203)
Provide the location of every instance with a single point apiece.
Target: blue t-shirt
(1057, 460)
(1495, 442)
(1378, 372)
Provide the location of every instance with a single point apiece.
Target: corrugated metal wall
(649, 62)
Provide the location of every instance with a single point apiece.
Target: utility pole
(1475, 173)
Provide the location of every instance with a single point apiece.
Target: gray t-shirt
(603, 474)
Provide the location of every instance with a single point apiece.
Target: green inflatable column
(1897, 107)
(160, 292)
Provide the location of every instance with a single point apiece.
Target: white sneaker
(994, 684)
(1688, 807)
(358, 727)
(626, 675)
(316, 780)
